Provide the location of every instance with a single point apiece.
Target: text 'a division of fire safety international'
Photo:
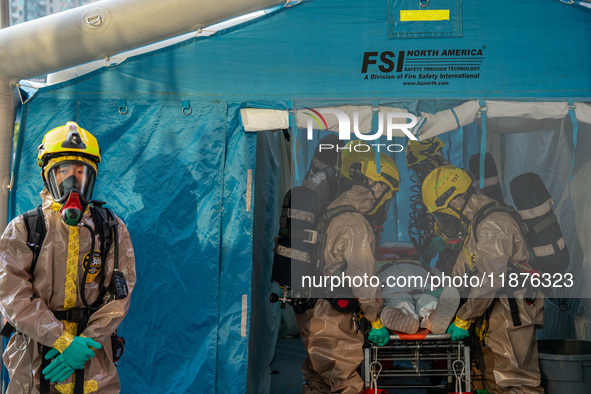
(423, 67)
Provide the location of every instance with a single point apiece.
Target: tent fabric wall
(184, 201)
(316, 49)
(233, 300)
(265, 322)
(548, 153)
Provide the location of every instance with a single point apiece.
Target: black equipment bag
(534, 205)
(35, 224)
(299, 249)
(331, 174)
(492, 186)
(295, 246)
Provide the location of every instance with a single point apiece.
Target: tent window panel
(520, 124)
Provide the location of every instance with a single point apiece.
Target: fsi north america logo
(423, 66)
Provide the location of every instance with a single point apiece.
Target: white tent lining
(430, 125)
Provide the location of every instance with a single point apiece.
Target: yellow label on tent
(424, 15)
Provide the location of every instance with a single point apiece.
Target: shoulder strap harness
(493, 207)
(35, 223)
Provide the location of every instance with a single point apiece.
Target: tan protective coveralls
(56, 286)
(511, 353)
(334, 349)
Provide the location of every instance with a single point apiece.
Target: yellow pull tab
(71, 289)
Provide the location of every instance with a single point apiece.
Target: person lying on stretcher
(409, 302)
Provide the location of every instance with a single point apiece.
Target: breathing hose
(87, 268)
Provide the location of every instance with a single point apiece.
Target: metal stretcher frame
(418, 349)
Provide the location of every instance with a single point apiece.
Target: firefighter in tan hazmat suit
(334, 347)
(497, 245)
(57, 339)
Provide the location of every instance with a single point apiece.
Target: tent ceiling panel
(337, 49)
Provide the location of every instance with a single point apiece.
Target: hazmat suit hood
(361, 197)
(48, 200)
(475, 202)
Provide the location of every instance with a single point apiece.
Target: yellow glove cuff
(377, 324)
(63, 342)
(462, 323)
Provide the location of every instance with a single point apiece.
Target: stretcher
(417, 361)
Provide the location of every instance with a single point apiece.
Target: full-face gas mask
(440, 189)
(453, 229)
(68, 157)
(377, 218)
(70, 181)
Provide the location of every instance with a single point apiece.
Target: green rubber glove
(379, 336)
(58, 370)
(52, 353)
(435, 293)
(436, 246)
(459, 329)
(78, 352)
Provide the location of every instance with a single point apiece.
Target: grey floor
(286, 367)
(286, 375)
